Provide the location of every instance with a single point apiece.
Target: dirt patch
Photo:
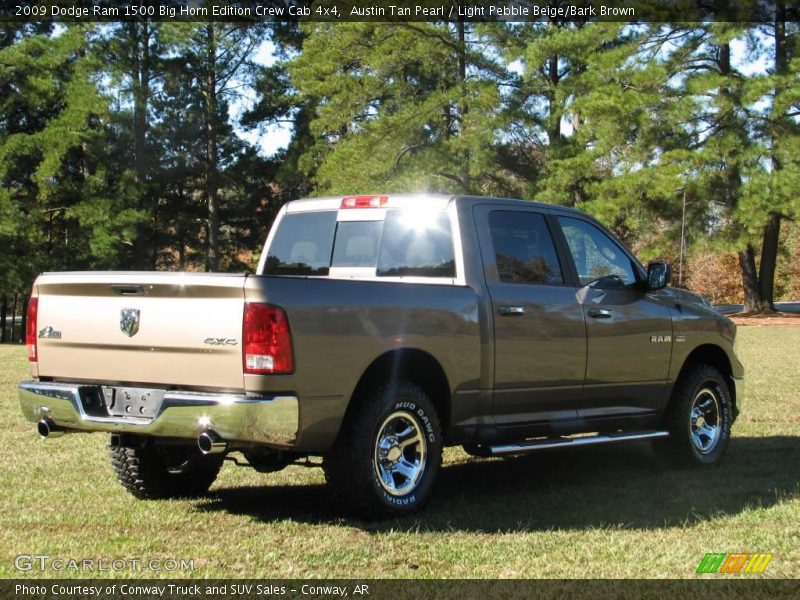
(766, 319)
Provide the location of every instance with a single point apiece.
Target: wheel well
(413, 365)
(715, 356)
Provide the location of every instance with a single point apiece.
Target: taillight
(267, 341)
(364, 201)
(30, 329)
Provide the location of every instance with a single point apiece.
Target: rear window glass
(356, 243)
(416, 244)
(406, 244)
(302, 244)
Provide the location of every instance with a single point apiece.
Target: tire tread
(141, 470)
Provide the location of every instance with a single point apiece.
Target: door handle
(511, 311)
(600, 313)
(128, 290)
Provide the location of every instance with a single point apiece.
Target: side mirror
(659, 274)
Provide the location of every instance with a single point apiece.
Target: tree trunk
(3, 311)
(772, 230)
(140, 77)
(747, 263)
(154, 241)
(755, 280)
(12, 338)
(24, 329)
(554, 128)
(181, 253)
(553, 79)
(212, 263)
(759, 287)
(464, 109)
(769, 258)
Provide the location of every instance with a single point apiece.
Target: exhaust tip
(47, 428)
(210, 442)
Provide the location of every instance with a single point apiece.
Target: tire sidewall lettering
(420, 416)
(409, 500)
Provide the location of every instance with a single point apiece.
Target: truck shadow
(622, 487)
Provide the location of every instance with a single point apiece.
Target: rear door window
(523, 248)
(302, 244)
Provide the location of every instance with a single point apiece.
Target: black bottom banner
(394, 589)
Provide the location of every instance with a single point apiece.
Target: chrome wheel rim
(400, 453)
(705, 420)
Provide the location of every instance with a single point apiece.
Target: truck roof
(429, 200)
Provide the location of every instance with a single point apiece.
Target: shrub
(716, 276)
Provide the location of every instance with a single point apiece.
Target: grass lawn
(608, 512)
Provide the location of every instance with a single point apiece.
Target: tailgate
(164, 329)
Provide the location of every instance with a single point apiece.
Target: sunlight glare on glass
(419, 220)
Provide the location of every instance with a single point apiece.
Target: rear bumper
(269, 420)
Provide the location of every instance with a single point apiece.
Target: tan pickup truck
(376, 331)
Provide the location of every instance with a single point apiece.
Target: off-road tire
(699, 384)
(352, 467)
(151, 472)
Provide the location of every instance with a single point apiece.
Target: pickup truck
(376, 331)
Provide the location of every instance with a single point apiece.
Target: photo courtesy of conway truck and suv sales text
(376, 331)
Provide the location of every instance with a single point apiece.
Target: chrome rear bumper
(269, 420)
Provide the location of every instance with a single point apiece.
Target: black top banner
(641, 11)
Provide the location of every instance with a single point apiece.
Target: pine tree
(561, 65)
(215, 60)
(133, 57)
(641, 135)
(403, 107)
(279, 103)
(56, 184)
(770, 189)
(666, 120)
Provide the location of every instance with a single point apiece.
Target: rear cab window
(302, 244)
(381, 243)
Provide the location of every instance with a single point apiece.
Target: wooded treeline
(122, 147)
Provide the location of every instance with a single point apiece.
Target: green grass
(611, 512)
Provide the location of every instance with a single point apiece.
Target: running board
(607, 438)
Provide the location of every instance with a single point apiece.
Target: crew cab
(377, 330)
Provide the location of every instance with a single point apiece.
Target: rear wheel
(387, 456)
(698, 418)
(150, 471)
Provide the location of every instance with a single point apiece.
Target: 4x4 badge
(129, 321)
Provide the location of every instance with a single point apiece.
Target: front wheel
(387, 456)
(698, 418)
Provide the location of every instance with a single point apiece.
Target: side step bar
(547, 444)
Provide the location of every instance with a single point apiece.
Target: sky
(274, 137)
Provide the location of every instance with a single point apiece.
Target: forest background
(171, 146)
